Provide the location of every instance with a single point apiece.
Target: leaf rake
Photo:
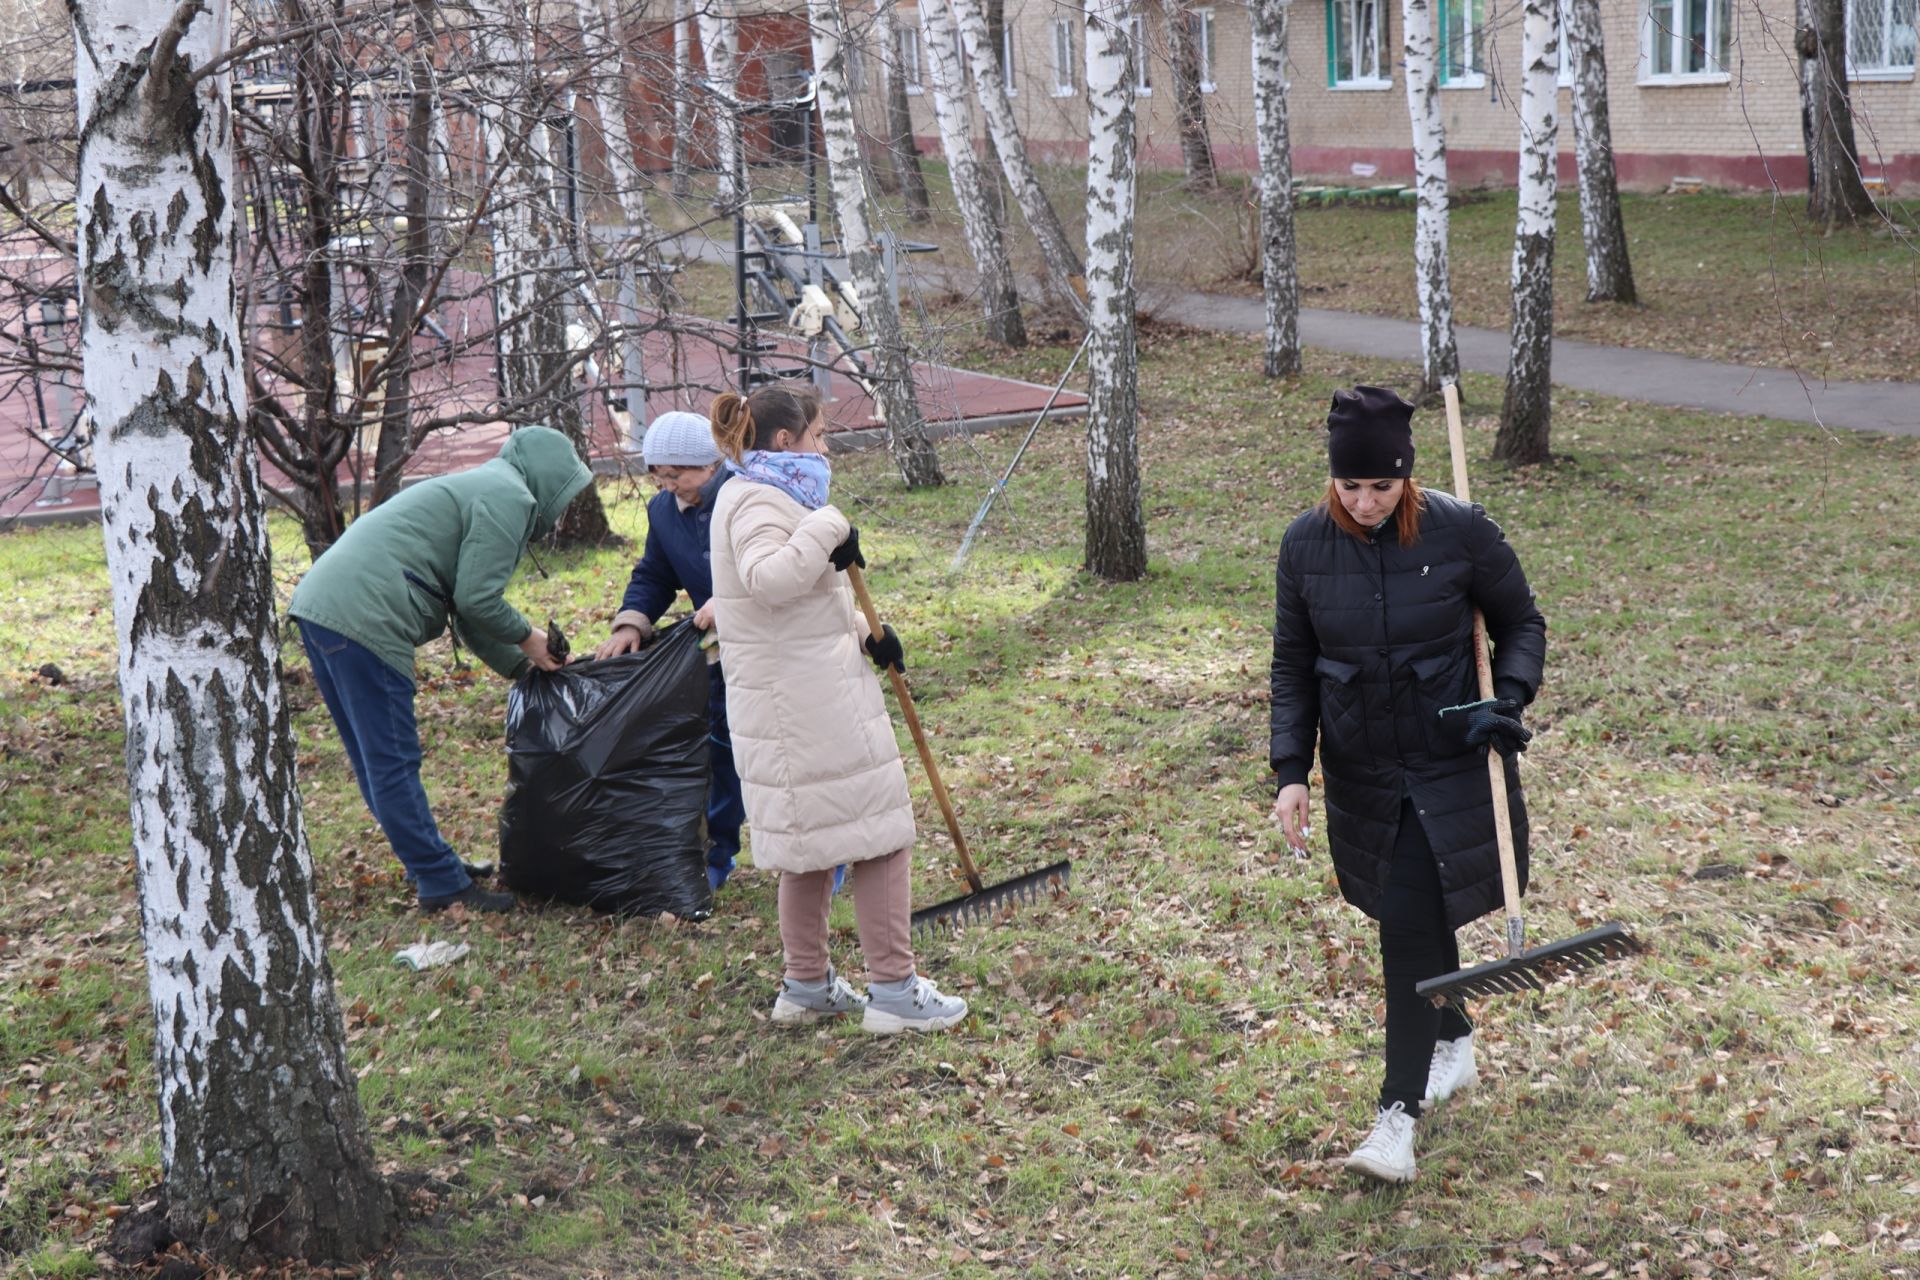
(985, 901)
(1521, 969)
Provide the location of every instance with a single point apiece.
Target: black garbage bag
(606, 801)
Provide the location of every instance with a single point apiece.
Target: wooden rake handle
(1483, 666)
(900, 691)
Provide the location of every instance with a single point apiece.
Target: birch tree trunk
(262, 1140)
(1190, 102)
(718, 31)
(1279, 267)
(604, 40)
(1836, 196)
(1065, 275)
(902, 156)
(998, 295)
(1526, 414)
(1439, 357)
(1603, 230)
(899, 403)
(1116, 529)
(528, 235)
(396, 425)
(682, 181)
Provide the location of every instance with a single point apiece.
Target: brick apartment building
(1703, 89)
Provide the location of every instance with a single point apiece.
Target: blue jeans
(725, 811)
(372, 707)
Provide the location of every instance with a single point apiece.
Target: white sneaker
(1453, 1070)
(911, 1005)
(802, 1002)
(1387, 1154)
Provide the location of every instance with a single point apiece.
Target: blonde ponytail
(742, 422)
(732, 419)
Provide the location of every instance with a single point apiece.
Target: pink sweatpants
(882, 909)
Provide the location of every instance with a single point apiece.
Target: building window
(1463, 40)
(1006, 60)
(856, 68)
(1881, 38)
(1688, 38)
(1356, 34)
(1142, 68)
(1202, 26)
(910, 59)
(1063, 81)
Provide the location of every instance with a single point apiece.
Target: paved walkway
(1650, 376)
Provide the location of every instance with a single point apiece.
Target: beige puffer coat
(819, 766)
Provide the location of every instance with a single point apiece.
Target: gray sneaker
(910, 1005)
(802, 1002)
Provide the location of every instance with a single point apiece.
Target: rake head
(1533, 970)
(990, 901)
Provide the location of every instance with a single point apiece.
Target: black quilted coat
(1370, 640)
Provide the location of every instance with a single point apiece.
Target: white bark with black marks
(1439, 356)
(1116, 529)
(682, 179)
(947, 82)
(1279, 266)
(603, 39)
(899, 403)
(262, 1141)
(530, 239)
(1603, 229)
(1526, 414)
(1066, 277)
(718, 32)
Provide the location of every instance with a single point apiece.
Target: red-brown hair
(1406, 516)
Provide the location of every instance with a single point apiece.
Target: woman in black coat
(1373, 656)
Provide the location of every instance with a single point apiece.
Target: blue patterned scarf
(804, 477)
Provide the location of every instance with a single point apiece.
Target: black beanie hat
(1369, 435)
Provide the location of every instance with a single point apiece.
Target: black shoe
(474, 870)
(473, 898)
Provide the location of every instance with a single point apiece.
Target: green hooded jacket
(444, 550)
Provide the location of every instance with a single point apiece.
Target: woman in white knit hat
(682, 459)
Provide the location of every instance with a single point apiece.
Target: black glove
(848, 552)
(885, 650)
(1496, 720)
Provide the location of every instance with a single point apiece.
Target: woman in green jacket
(435, 555)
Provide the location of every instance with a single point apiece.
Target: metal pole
(1000, 486)
(633, 359)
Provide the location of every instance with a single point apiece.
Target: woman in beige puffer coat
(820, 770)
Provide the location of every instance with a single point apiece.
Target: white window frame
(1461, 12)
(1006, 61)
(1884, 70)
(1142, 57)
(1652, 35)
(911, 60)
(1064, 83)
(1203, 41)
(1382, 57)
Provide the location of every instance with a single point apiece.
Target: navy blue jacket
(677, 558)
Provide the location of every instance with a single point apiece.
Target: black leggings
(1415, 944)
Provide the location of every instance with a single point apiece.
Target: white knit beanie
(678, 438)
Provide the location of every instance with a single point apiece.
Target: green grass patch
(1166, 1064)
